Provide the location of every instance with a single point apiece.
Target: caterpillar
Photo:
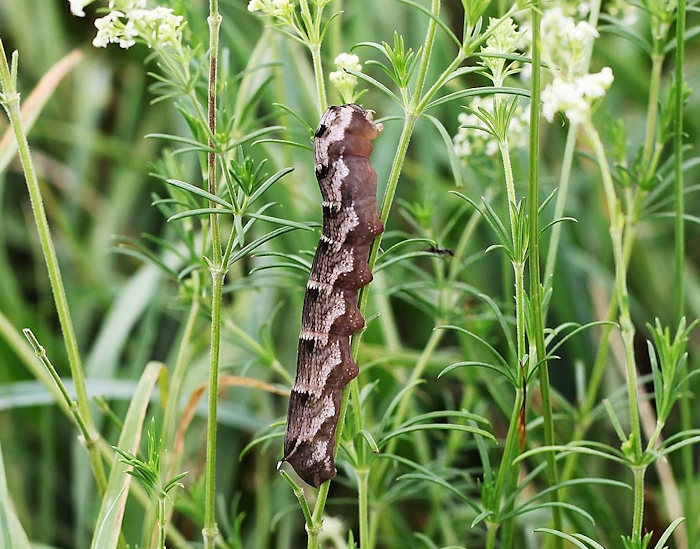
(341, 148)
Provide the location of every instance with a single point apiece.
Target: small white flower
(575, 98)
(504, 39)
(76, 7)
(128, 34)
(595, 85)
(341, 78)
(347, 60)
(344, 82)
(282, 10)
(108, 29)
(472, 137)
(156, 27)
(565, 42)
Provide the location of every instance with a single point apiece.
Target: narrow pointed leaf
(109, 520)
(199, 192)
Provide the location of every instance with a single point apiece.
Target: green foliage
(474, 385)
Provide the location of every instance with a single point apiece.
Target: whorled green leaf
(109, 520)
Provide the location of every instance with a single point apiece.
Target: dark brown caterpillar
(350, 224)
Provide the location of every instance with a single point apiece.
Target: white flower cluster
(504, 39)
(565, 42)
(566, 45)
(129, 20)
(279, 9)
(575, 98)
(340, 78)
(345, 82)
(474, 139)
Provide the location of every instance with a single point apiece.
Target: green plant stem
(363, 504)
(518, 255)
(599, 363)
(161, 521)
(313, 42)
(214, 21)
(510, 185)
(562, 195)
(537, 320)
(10, 100)
(218, 272)
(427, 52)
(318, 72)
(518, 264)
(638, 513)
(93, 455)
(211, 530)
(491, 533)
(505, 469)
(299, 494)
(657, 62)
(421, 103)
(679, 206)
(617, 226)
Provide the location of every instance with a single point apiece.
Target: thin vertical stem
(679, 206)
(518, 259)
(363, 502)
(313, 42)
(638, 512)
(537, 321)
(93, 455)
(214, 21)
(505, 469)
(161, 521)
(218, 273)
(427, 52)
(318, 73)
(617, 227)
(211, 529)
(562, 194)
(10, 100)
(657, 62)
(510, 184)
(510, 477)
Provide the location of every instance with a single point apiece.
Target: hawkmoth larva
(342, 146)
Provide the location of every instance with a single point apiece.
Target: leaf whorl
(348, 183)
